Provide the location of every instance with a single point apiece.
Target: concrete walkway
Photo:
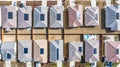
(28, 64)
(72, 63)
(7, 63)
(59, 63)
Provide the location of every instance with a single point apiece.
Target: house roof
(38, 44)
(54, 10)
(74, 53)
(9, 23)
(89, 50)
(111, 20)
(56, 55)
(24, 23)
(8, 48)
(37, 11)
(110, 51)
(75, 16)
(92, 16)
(22, 57)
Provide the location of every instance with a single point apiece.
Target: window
(78, 15)
(80, 49)
(42, 17)
(58, 17)
(117, 15)
(8, 56)
(117, 51)
(41, 51)
(25, 50)
(10, 15)
(57, 53)
(95, 50)
(96, 16)
(26, 16)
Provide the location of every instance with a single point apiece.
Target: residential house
(92, 50)
(56, 16)
(75, 16)
(40, 17)
(40, 51)
(91, 16)
(112, 19)
(75, 51)
(25, 50)
(24, 16)
(8, 51)
(112, 51)
(9, 17)
(56, 51)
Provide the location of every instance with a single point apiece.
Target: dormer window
(117, 16)
(58, 17)
(42, 17)
(57, 53)
(25, 50)
(26, 17)
(8, 56)
(10, 15)
(117, 51)
(95, 16)
(80, 49)
(41, 51)
(95, 51)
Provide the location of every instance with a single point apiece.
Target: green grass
(55, 65)
(52, 65)
(99, 64)
(63, 65)
(87, 65)
(115, 64)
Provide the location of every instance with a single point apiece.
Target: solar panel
(117, 51)
(41, 51)
(42, 17)
(80, 49)
(95, 50)
(57, 53)
(8, 56)
(10, 15)
(58, 17)
(117, 15)
(25, 50)
(26, 17)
